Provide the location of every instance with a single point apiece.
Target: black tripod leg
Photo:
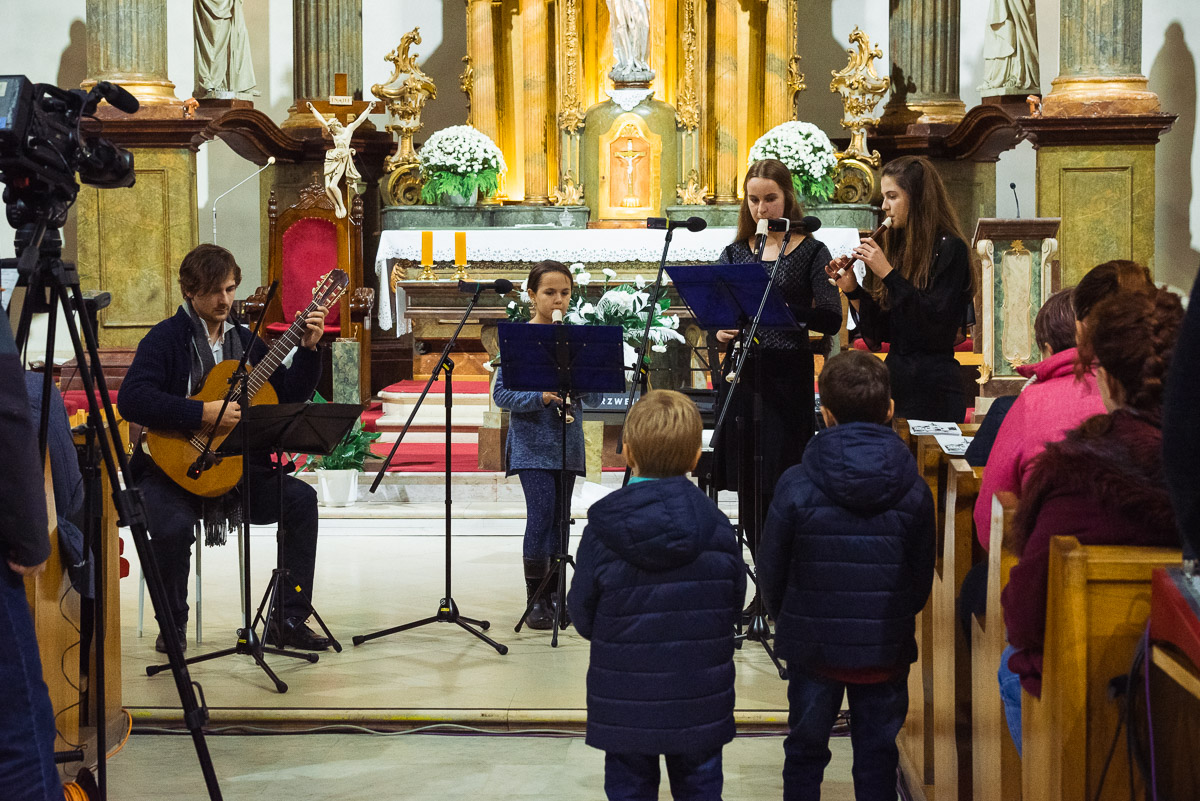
(359, 639)
(337, 646)
(500, 649)
(537, 594)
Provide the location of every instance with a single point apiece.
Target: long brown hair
(777, 171)
(930, 217)
(1108, 279)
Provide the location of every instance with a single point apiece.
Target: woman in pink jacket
(1057, 398)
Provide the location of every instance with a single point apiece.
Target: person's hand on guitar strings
(315, 327)
(233, 413)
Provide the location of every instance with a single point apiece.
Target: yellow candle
(460, 248)
(427, 248)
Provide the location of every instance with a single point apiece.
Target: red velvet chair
(305, 242)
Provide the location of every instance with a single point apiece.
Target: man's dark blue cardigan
(659, 586)
(155, 390)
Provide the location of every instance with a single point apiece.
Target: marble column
(127, 44)
(483, 61)
(781, 41)
(1100, 61)
(923, 42)
(535, 88)
(725, 102)
(326, 39)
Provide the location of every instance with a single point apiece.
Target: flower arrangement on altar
(807, 152)
(625, 305)
(459, 160)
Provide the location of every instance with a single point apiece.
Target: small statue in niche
(223, 58)
(339, 159)
(1010, 49)
(630, 26)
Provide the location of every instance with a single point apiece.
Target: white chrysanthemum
(462, 150)
(639, 282)
(583, 279)
(609, 272)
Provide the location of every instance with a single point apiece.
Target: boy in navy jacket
(845, 563)
(659, 585)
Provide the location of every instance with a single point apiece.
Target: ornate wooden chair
(305, 241)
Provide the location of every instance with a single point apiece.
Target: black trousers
(172, 513)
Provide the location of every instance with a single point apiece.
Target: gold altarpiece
(720, 109)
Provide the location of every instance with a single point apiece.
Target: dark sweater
(846, 560)
(155, 390)
(1181, 428)
(659, 586)
(1103, 485)
(24, 532)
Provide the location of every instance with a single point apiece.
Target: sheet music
(953, 444)
(918, 427)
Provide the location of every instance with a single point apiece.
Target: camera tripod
(51, 285)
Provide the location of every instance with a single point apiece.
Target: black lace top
(806, 290)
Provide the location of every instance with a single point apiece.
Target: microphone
(810, 224)
(502, 286)
(781, 224)
(270, 161)
(760, 234)
(1013, 187)
(693, 224)
(117, 96)
(556, 317)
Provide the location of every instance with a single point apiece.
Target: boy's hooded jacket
(659, 586)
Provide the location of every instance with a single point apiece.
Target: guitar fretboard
(262, 372)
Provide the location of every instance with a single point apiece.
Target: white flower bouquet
(457, 161)
(807, 152)
(626, 305)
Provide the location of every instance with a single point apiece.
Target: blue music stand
(568, 360)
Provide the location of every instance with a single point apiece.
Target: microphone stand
(270, 161)
(758, 630)
(642, 380)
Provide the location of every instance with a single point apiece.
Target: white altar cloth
(568, 246)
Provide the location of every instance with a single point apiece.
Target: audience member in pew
(1103, 483)
(845, 565)
(1181, 430)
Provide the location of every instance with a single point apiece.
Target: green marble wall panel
(347, 371)
(1013, 342)
(131, 241)
(1105, 197)
(972, 189)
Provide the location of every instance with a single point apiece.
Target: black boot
(538, 617)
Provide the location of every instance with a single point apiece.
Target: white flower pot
(337, 487)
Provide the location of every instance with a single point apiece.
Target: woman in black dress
(918, 291)
(780, 367)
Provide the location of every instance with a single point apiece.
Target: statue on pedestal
(339, 159)
(630, 26)
(1010, 49)
(223, 65)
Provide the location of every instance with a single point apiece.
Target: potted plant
(807, 152)
(457, 163)
(337, 473)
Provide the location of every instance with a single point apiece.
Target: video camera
(42, 147)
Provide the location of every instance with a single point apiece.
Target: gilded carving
(404, 101)
(687, 107)
(571, 115)
(861, 89)
(692, 193)
(466, 82)
(795, 78)
(570, 193)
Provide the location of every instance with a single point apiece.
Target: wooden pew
(916, 739)
(1098, 601)
(951, 659)
(996, 774)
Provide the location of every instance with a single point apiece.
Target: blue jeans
(1010, 694)
(634, 777)
(27, 771)
(543, 510)
(877, 712)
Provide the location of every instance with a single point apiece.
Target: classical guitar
(176, 451)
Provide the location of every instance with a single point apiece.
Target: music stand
(314, 428)
(571, 361)
(725, 296)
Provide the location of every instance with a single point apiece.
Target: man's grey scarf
(222, 513)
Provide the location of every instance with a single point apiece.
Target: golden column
(127, 44)
(781, 42)
(483, 61)
(725, 115)
(1100, 61)
(535, 56)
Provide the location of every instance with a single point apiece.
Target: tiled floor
(374, 573)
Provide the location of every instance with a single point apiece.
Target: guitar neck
(282, 346)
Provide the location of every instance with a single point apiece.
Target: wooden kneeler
(996, 767)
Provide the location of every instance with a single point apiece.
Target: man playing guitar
(170, 365)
